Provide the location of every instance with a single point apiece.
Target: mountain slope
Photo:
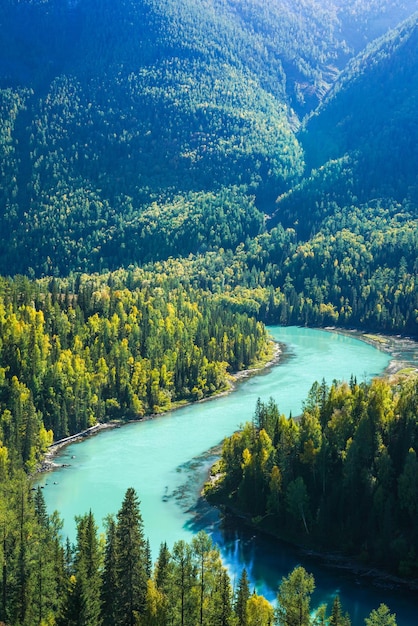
(362, 141)
(128, 124)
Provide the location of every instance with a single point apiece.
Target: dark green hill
(362, 141)
(133, 129)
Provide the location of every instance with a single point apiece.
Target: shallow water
(165, 460)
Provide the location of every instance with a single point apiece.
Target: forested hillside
(172, 176)
(343, 476)
(362, 139)
(133, 130)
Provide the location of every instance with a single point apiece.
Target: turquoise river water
(166, 460)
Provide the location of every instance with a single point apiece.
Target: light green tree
(294, 598)
(381, 617)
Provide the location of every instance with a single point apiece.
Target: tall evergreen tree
(241, 599)
(131, 563)
(222, 611)
(109, 576)
(162, 567)
(84, 594)
(337, 617)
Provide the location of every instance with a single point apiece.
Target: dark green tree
(337, 617)
(109, 576)
(131, 563)
(241, 598)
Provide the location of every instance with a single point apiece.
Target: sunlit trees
(294, 598)
(342, 473)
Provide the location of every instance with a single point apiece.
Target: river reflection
(267, 560)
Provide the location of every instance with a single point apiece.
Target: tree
(183, 581)
(131, 583)
(109, 576)
(259, 611)
(155, 613)
(294, 598)
(408, 485)
(241, 598)
(202, 545)
(297, 500)
(381, 617)
(88, 560)
(82, 606)
(337, 618)
(162, 567)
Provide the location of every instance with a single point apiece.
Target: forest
(344, 474)
(173, 178)
(106, 580)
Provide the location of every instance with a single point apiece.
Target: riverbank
(48, 462)
(272, 358)
(395, 345)
(404, 363)
(332, 560)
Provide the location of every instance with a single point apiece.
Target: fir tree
(242, 595)
(131, 562)
(109, 576)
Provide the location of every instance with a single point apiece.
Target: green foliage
(294, 597)
(83, 352)
(345, 472)
(381, 617)
(130, 566)
(161, 133)
(103, 580)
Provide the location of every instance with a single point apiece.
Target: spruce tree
(109, 576)
(222, 606)
(131, 562)
(87, 564)
(337, 617)
(162, 568)
(241, 598)
(82, 603)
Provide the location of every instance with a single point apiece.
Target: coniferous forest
(175, 176)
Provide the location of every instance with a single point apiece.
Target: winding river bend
(166, 460)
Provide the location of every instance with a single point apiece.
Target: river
(166, 460)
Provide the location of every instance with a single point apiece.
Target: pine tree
(109, 576)
(222, 611)
(337, 618)
(242, 595)
(162, 567)
(130, 561)
(83, 606)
